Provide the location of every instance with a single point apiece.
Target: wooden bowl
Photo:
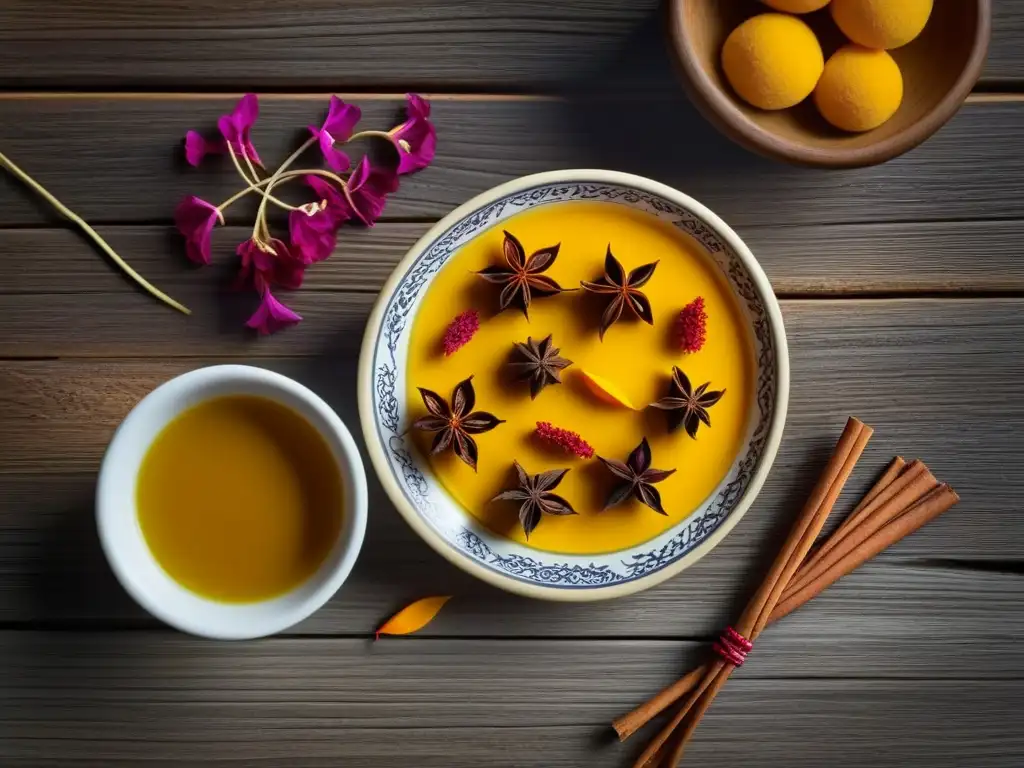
(939, 69)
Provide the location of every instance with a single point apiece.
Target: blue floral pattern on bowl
(463, 533)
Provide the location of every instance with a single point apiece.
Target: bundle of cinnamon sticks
(906, 497)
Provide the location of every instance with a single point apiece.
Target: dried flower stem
(369, 134)
(261, 214)
(251, 185)
(289, 176)
(91, 233)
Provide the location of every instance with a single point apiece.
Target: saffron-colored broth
(239, 499)
(635, 357)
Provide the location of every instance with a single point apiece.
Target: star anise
(685, 405)
(535, 493)
(539, 363)
(523, 279)
(455, 423)
(625, 290)
(636, 478)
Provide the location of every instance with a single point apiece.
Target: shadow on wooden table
(74, 584)
(634, 115)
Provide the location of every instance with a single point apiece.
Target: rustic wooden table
(903, 293)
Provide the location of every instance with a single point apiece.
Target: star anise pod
(685, 405)
(455, 423)
(624, 289)
(535, 493)
(636, 478)
(522, 278)
(539, 363)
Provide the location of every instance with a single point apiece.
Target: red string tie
(733, 647)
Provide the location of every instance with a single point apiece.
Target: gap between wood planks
(982, 95)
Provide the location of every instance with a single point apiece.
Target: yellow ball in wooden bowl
(796, 6)
(860, 88)
(882, 23)
(772, 61)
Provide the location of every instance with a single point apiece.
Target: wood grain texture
(902, 366)
(510, 45)
(119, 158)
(171, 700)
(132, 324)
(938, 582)
(844, 259)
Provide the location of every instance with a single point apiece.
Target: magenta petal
(312, 236)
(417, 106)
(416, 142)
(368, 187)
(338, 208)
(262, 269)
(195, 219)
(236, 126)
(197, 147)
(272, 315)
(246, 111)
(336, 160)
(341, 121)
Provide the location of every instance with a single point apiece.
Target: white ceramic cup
(130, 557)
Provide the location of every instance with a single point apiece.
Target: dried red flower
(569, 441)
(460, 331)
(692, 326)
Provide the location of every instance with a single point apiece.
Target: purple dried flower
(367, 189)
(416, 138)
(341, 120)
(267, 264)
(198, 146)
(272, 315)
(312, 231)
(235, 127)
(195, 219)
(337, 208)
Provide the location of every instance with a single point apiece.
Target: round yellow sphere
(881, 23)
(772, 61)
(860, 89)
(796, 6)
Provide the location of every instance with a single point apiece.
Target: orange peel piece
(606, 391)
(413, 617)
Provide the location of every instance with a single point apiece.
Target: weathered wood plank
(114, 696)
(513, 44)
(117, 159)
(972, 256)
(901, 365)
(52, 574)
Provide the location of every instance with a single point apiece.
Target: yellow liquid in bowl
(239, 499)
(635, 357)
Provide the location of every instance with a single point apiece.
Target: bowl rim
(720, 108)
(379, 459)
(146, 581)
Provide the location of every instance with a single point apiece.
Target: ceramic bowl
(423, 501)
(939, 70)
(126, 548)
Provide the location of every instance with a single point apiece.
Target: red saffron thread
(565, 439)
(460, 331)
(692, 326)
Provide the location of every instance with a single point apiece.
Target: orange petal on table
(605, 391)
(413, 617)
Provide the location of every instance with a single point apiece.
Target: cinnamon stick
(796, 557)
(629, 723)
(805, 530)
(874, 516)
(909, 475)
(924, 511)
